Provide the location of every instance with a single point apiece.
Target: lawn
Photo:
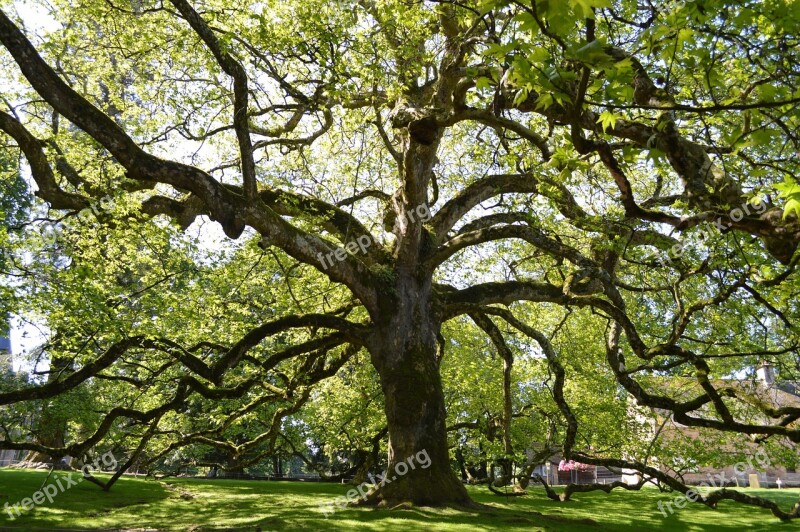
(206, 505)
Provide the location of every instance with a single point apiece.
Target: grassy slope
(189, 504)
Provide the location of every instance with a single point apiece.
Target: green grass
(205, 505)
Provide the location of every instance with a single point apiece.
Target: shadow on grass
(201, 505)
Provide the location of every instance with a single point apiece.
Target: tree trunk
(478, 473)
(405, 356)
(524, 478)
(417, 437)
(506, 463)
(369, 458)
(461, 465)
(50, 426)
(277, 470)
(364, 464)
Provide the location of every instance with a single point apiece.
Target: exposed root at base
(375, 500)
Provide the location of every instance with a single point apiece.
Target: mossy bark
(405, 356)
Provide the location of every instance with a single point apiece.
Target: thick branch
(237, 72)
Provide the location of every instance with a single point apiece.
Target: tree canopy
(494, 221)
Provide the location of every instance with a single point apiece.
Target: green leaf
(483, 83)
(790, 190)
(527, 22)
(607, 119)
(544, 101)
(521, 96)
(592, 53)
(585, 8)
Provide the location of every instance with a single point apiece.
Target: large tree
(587, 154)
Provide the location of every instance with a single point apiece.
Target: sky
(25, 337)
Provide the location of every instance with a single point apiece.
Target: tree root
(513, 493)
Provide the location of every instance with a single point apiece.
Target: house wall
(731, 478)
(8, 457)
